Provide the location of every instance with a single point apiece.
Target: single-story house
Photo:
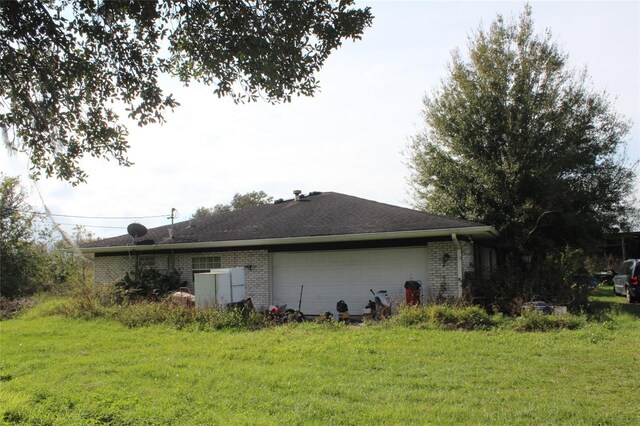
(337, 246)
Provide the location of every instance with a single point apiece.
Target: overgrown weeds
(444, 316)
(532, 320)
(105, 302)
(181, 317)
(470, 317)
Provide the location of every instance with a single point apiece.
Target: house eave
(475, 232)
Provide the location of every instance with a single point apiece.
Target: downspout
(454, 237)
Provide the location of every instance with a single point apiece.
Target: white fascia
(478, 232)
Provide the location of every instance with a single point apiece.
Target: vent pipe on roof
(296, 194)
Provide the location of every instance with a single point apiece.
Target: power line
(91, 226)
(91, 217)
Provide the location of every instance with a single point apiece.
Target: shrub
(557, 275)
(147, 284)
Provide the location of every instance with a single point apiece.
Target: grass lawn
(56, 370)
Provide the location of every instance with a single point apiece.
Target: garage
(329, 276)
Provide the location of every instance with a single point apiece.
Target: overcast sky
(349, 138)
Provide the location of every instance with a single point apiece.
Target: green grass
(56, 370)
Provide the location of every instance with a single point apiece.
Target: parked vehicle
(626, 280)
(539, 306)
(605, 277)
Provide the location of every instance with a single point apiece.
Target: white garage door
(329, 276)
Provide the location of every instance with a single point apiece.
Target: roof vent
(296, 193)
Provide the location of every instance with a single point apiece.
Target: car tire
(630, 298)
(615, 293)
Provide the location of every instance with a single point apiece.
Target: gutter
(476, 231)
(454, 237)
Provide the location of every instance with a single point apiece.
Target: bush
(558, 275)
(147, 284)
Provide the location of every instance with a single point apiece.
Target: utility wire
(91, 217)
(47, 220)
(90, 226)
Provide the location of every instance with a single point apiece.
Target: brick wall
(256, 262)
(442, 272)
(111, 268)
(443, 268)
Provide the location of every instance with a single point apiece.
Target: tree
(68, 66)
(515, 139)
(240, 201)
(68, 267)
(22, 260)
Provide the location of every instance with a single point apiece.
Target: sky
(348, 138)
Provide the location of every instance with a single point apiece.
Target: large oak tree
(517, 139)
(67, 67)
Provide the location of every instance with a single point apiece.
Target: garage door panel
(329, 276)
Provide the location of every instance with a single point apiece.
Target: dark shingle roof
(324, 214)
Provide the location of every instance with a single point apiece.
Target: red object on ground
(412, 292)
(412, 297)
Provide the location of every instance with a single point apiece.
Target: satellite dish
(136, 230)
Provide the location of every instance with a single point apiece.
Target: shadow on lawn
(603, 299)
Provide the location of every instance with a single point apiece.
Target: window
(625, 268)
(209, 262)
(146, 261)
(203, 264)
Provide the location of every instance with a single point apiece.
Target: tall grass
(57, 370)
(449, 317)
(103, 302)
(91, 302)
